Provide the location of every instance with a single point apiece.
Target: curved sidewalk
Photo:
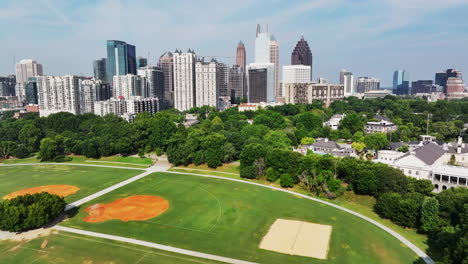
(403, 240)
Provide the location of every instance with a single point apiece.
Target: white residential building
(25, 69)
(349, 84)
(114, 106)
(206, 83)
(382, 125)
(184, 80)
(58, 94)
(92, 91)
(296, 74)
(366, 84)
(334, 121)
(139, 104)
(126, 86)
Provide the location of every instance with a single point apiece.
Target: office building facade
(141, 62)
(154, 81)
(366, 84)
(31, 93)
(422, 86)
(121, 59)
(7, 85)
(302, 55)
(92, 91)
(240, 55)
(24, 70)
(100, 72)
(166, 63)
(306, 93)
(274, 58)
(261, 82)
(296, 74)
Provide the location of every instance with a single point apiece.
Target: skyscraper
(302, 55)
(261, 82)
(236, 83)
(121, 59)
(154, 81)
(240, 55)
(58, 94)
(274, 58)
(348, 83)
(100, 69)
(262, 46)
(92, 91)
(442, 77)
(24, 70)
(184, 80)
(206, 83)
(7, 85)
(166, 63)
(141, 62)
(30, 90)
(399, 76)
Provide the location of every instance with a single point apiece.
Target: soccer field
(88, 179)
(230, 219)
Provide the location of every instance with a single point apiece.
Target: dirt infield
(60, 190)
(136, 208)
(298, 238)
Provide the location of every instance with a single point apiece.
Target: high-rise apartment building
(206, 83)
(7, 85)
(166, 63)
(455, 88)
(261, 82)
(24, 70)
(121, 59)
(366, 84)
(58, 94)
(155, 82)
(236, 83)
(296, 74)
(223, 79)
(302, 55)
(136, 105)
(240, 55)
(92, 91)
(347, 79)
(184, 80)
(100, 72)
(274, 58)
(114, 106)
(422, 86)
(126, 86)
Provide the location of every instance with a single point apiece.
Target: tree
(352, 122)
(452, 160)
(307, 141)
(7, 148)
(273, 120)
(30, 211)
(403, 148)
(309, 120)
(29, 135)
(429, 215)
(277, 139)
(229, 152)
(358, 146)
(358, 137)
(48, 149)
(376, 141)
(286, 181)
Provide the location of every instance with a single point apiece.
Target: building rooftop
(452, 170)
(429, 153)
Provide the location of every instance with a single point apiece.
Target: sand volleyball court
(60, 190)
(298, 238)
(136, 208)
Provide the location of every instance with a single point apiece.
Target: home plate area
(298, 238)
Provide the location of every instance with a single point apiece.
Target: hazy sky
(367, 37)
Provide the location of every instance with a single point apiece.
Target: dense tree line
(30, 211)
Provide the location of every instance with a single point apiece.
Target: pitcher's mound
(60, 190)
(136, 208)
(298, 238)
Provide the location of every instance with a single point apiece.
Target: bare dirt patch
(59, 189)
(132, 208)
(298, 238)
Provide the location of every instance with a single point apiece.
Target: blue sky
(367, 37)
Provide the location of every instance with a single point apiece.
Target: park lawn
(130, 162)
(233, 167)
(229, 219)
(88, 179)
(362, 204)
(68, 248)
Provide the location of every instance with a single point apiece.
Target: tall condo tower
(302, 55)
(166, 63)
(240, 55)
(274, 58)
(184, 80)
(25, 69)
(121, 59)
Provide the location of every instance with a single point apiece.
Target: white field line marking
(122, 246)
(182, 168)
(402, 239)
(219, 208)
(154, 245)
(142, 257)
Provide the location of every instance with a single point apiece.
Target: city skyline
(407, 36)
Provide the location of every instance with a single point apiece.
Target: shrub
(30, 211)
(248, 172)
(272, 174)
(286, 181)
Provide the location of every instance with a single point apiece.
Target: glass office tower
(121, 59)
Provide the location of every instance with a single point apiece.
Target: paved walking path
(153, 245)
(405, 241)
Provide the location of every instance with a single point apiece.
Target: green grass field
(88, 179)
(66, 248)
(131, 162)
(229, 219)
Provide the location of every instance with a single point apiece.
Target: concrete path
(153, 245)
(403, 240)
